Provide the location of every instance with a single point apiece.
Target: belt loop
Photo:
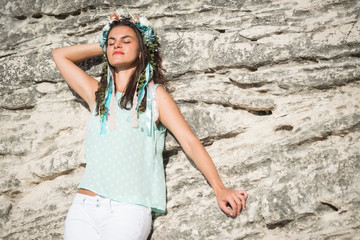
(110, 206)
(83, 201)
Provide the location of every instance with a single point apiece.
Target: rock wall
(270, 87)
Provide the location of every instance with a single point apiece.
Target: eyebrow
(123, 37)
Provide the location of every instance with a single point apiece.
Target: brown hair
(158, 73)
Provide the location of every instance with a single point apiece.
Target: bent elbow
(55, 53)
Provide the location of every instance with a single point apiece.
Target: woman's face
(123, 48)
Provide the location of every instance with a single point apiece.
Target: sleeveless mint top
(125, 164)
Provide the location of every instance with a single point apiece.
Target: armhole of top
(159, 127)
(157, 84)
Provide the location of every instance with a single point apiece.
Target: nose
(118, 44)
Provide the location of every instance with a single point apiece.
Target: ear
(139, 54)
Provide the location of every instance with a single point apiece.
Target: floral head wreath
(150, 40)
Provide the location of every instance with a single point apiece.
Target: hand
(235, 198)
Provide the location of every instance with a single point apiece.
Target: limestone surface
(271, 88)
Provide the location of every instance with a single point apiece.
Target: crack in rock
(341, 83)
(280, 224)
(211, 139)
(248, 85)
(207, 141)
(255, 111)
(331, 206)
(284, 127)
(327, 134)
(60, 16)
(52, 177)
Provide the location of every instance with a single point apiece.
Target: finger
(237, 200)
(233, 206)
(243, 200)
(224, 208)
(243, 192)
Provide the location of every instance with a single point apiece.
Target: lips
(118, 53)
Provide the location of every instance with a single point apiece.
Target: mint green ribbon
(107, 103)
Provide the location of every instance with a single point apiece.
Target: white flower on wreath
(106, 27)
(143, 21)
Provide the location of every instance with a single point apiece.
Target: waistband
(104, 202)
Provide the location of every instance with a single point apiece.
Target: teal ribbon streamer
(148, 112)
(107, 103)
(148, 75)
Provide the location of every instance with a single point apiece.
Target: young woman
(124, 177)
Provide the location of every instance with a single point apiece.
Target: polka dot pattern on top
(125, 164)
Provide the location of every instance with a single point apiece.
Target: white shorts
(95, 217)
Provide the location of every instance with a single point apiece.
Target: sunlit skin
(123, 52)
(123, 48)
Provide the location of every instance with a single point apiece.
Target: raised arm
(66, 58)
(170, 116)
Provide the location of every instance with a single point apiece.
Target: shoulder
(162, 93)
(169, 113)
(171, 117)
(165, 101)
(160, 86)
(160, 89)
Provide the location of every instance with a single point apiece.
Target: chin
(122, 65)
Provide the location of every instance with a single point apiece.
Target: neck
(122, 78)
